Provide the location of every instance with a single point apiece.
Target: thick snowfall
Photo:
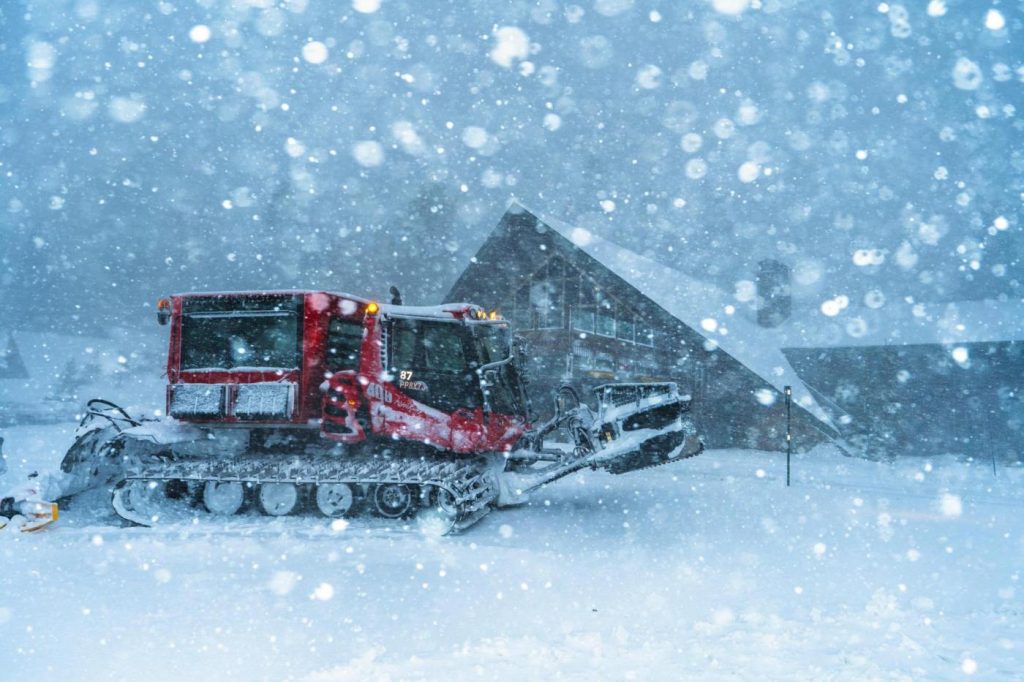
(197, 145)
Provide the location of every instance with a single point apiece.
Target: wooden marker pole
(789, 432)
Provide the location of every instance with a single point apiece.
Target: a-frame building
(593, 312)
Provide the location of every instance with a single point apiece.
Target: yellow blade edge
(41, 520)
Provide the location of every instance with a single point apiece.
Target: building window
(547, 295)
(624, 328)
(644, 332)
(546, 303)
(556, 295)
(583, 310)
(583, 319)
(606, 318)
(540, 301)
(522, 314)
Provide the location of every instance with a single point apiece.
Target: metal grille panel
(197, 400)
(264, 400)
(623, 394)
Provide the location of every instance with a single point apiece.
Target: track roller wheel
(444, 502)
(334, 499)
(392, 500)
(278, 499)
(138, 501)
(438, 512)
(223, 497)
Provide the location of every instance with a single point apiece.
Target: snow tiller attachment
(635, 426)
(25, 515)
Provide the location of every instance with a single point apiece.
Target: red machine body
(296, 400)
(347, 367)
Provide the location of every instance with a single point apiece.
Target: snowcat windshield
(241, 333)
(502, 382)
(493, 343)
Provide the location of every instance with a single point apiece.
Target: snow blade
(92, 461)
(27, 516)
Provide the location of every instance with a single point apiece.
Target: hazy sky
(149, 147)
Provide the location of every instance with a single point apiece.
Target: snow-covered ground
(708, 568)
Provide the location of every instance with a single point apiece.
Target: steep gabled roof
(702, 307)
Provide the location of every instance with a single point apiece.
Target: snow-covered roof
(703, 307)
(264, 292)
(444, 311)
(903, 323)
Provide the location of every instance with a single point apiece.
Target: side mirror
(163, 311)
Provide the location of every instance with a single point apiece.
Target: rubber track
(468, 480)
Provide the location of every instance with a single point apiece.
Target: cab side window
(344, 337)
